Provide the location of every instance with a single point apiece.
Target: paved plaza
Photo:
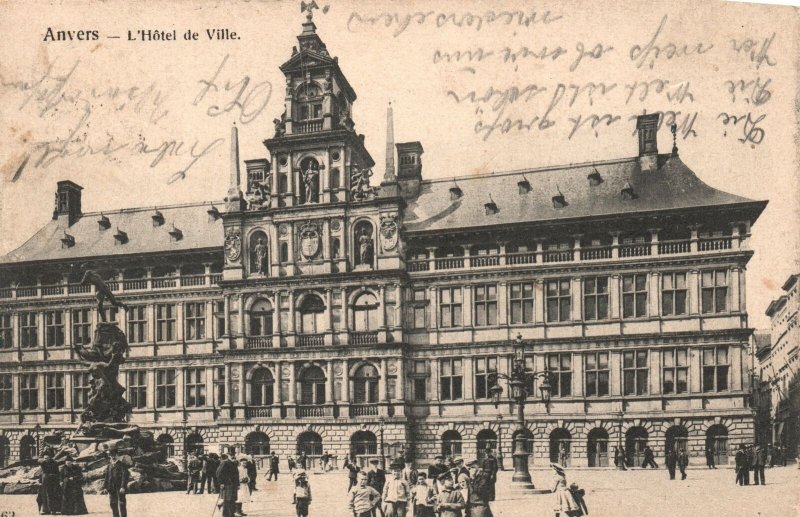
(609, 493)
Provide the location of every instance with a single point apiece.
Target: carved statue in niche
(360, 189)
(365, 246)
(260, 193)
(259, 255)
(310, 173)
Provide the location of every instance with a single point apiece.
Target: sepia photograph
(383, 258)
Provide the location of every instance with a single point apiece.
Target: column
(615, 373)
(577, 375)
(614, 244)
(398, 306)
(695, 379)
(738, 368)
(328, 317)
(228, 385)
(466, 307)
(345, 382)
(734, 297)
(538, 301)
(179, 321)
(382, 311)
(434, 308)
(68, 326)
(291, 328)
(151, 321)
(613, 297)
(345, 318)
(329, 383)
(241, 314)
(292, 384)
(693, 243)
(227, 309)
(467, 259)
(400, 389)
(576, 247)
(434, 386)
(68, 388)
(502, 304)
(15, 391)
(693, 291)
(655, 371)
(654, 294)
(180, 391)
(577, 299)
(42, 330)
(382, 382)
(469, 391)
(502, 246)
(326, 224)
(151, 389)
(209, 382)
(278, 383)
(653, 241)
(431, 258)
(242, 372)
(742, 291)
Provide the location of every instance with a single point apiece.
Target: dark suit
(683, 462)
(759, 461)
(490, 467)
(649, 458)
(739, 458)
(228, 476)
(116, 484)
(672, 460)
(274, 468)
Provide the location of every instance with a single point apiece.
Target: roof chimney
(68, 203)
(647, 127)
(409, 173)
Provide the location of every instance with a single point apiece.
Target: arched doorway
(312, 386)
(635, 442)
(27, 448)
(676, 438)
(717, 441)
(486, 439)
(256, 444)
(597, 447)
(560, 450)
(363, 447)
(167, 446)
(262, 388)
(310, 443)
(5, 451)
(194, 444)
(451, 443)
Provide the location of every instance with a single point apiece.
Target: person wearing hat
(72, 501)
(274, 467)
(436, 470)
(116, 484)
(396, 492)
(362, 500)
(228, 477)
(565, 504)
(489, 466)
(461, 477)
(449, 501)
(301, 497)
(376, 478)
(480, 490)
(193, 467)
(243, 492)
(759, 461)
(49, 496)
(352, 472)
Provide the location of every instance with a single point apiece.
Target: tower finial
(389, 174)
(674, 129)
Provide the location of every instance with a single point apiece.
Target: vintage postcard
(399, 258)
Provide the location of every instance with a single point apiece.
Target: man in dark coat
(489, 466)
(480, 491)
(72, 502)
(739, 460)
(302, 461)
(710, 457)
(649, 458)
(274, 467)
(352, 472)
(116, 484)
(748, 464)
(436, 470)
(49, 497)
(683, 462)
(228, 476)
(193, 467)
(759, 462)
(619, 458)
(252, 472)
(671, 461)
(208, 473)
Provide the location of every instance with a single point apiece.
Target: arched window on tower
(308, 105)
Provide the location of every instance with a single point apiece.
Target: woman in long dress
(243, 495)
(72, 489)
(565, 504)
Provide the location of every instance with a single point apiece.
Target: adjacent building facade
(315, 310)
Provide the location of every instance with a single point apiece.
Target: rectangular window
(597, 374)
(54, 324)
(676, 370)
(595, 298)
(559, 300)
(714, 291)
(6, 392)
(219, 318)
(560, 367)
(55, 390)
(715, 368)
(81, 387)
(634, 296)
(137, 389)
(418, 309)
(451, 379)
(219, 381)
(165, 388)
(521, 302)
(165, 322)
(111, 315)
(634, 372)
(485, 305)
(195, 317)
(485, 376)
(137, 324)
(28, 391)
(82, 326)
(419, 381)
(6, 331)
(28, 330)
(450, 307)
(195, 387)
(673, 294)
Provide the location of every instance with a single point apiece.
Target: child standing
(423, 497)
(302, 494)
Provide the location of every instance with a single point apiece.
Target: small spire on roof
(674, 129)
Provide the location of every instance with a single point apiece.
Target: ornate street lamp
(517, 383)
(382, 422)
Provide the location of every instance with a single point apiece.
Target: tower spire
(234, 199)
(389, 175)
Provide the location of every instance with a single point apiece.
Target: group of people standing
(61, 488)
(202, 473)
(237, 480)
(750, 458)
(448, 489)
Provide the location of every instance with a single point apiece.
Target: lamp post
(621, 464)
(185, 442)
(500, 441)
(38, 430)
(517, 383)
(382, 422)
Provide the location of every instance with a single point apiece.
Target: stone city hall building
(312, 311)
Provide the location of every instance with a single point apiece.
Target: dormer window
(491, 207)
(121, 237)
(67, 241)
(524, 186)
(455, 192)
(627, 192)
(595, 178)
(175, 233)
(103, 222)
(213, 213)
(158, 218)
(559, 201)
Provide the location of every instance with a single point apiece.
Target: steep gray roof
(198, 229)
(671, 186)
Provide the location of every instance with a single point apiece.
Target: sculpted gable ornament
(389, 232)
(233, 244)
(310, 237)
